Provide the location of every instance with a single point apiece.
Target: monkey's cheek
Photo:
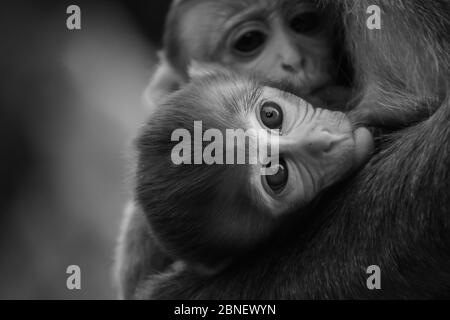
(363, 145)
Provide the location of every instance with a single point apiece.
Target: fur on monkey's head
(206, 198)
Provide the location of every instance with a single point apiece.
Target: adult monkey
(293, 42)
(394, 213)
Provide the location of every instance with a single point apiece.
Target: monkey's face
(279, 40)
(317, 148)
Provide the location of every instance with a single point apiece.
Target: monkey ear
(165, 80)
(198, 70)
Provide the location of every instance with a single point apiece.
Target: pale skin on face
(284, 40)
(317, 147)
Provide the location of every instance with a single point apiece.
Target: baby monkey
(207, 214)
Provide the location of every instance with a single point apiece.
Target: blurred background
(70, 104)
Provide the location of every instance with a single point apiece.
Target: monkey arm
(392, 110)
(138, 256)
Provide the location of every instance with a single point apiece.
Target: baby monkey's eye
(278, 181)
(307, 22)
(271, 115)
(249, 42)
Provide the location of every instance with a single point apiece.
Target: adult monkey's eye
(271, 115)
(249, 42)
(278, 181)
(307, 22)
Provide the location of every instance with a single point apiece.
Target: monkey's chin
(301, 86)
(319, 84)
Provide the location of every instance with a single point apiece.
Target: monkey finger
(364, 145)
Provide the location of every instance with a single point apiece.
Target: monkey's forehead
(229, 8)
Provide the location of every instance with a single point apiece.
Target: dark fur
(395, 212)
